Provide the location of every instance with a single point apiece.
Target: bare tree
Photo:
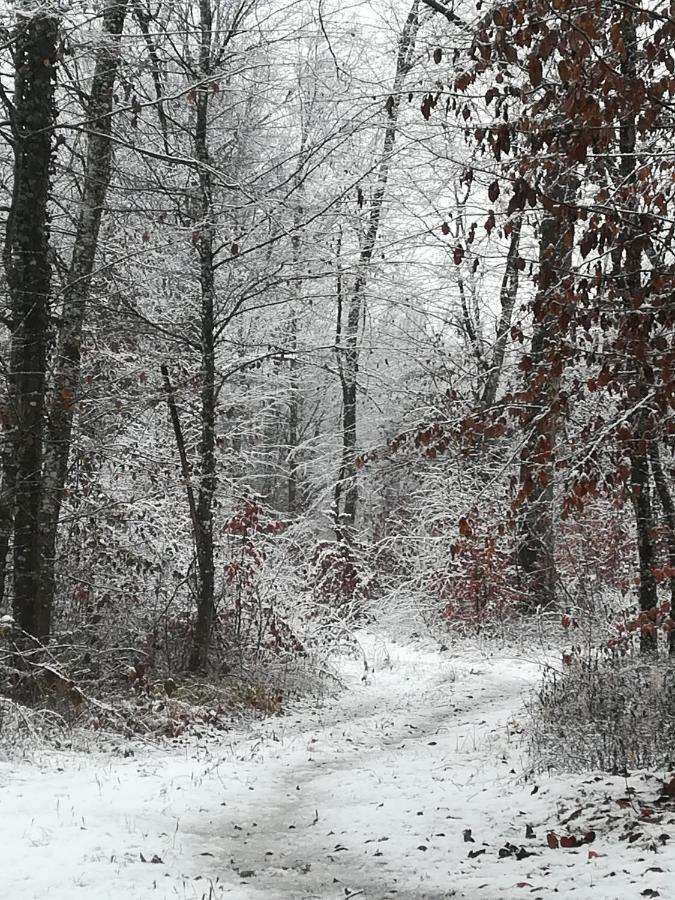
(66, 382)
(349, 320)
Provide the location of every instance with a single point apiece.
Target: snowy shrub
(342, 578)
(25, 729)
(480, 581)
(605, 711)
(595, 555)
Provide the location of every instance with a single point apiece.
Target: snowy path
(368, 797)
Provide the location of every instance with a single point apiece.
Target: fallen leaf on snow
(568, 841)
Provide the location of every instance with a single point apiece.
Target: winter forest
(337, 435)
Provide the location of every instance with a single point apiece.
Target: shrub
(605, 711)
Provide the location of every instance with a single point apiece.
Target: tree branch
(438, 7)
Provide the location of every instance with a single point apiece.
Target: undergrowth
(614, 715)
(609, 702)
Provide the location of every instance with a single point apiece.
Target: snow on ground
(411, 784)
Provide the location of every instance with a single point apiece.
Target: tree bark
(28, 270)
(64, 394)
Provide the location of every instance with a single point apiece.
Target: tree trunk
(28, 271)
(507, 298)
(536, 536)
(668, 507)
(207, 468)
(642, 504)
(7, 490)
(63, 398)
(293, 419)
(629, 277)
(346, 491)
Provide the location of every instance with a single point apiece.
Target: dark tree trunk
(642, 504)
(7, 489)
(207, 469)
(536, 535)
(629, 278)
(347, 490)
(63, 398)
(668, 507)
(28, 270)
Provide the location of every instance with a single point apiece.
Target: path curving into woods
(409, 785)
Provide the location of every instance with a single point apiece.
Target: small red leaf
(534, 70)
(464, 528)
(569, 841)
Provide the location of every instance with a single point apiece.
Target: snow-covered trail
(409, 785)
(374, 795)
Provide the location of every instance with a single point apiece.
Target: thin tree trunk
(26, 259)
(668, 507)
(507, 298)
(644, 520)
(294, 386)
(64, 395)
(180, 445)
(7, 490)
(293, 419)
(347, 493)
(630, 277)
(207, 469)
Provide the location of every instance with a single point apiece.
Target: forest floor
(411, 783)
